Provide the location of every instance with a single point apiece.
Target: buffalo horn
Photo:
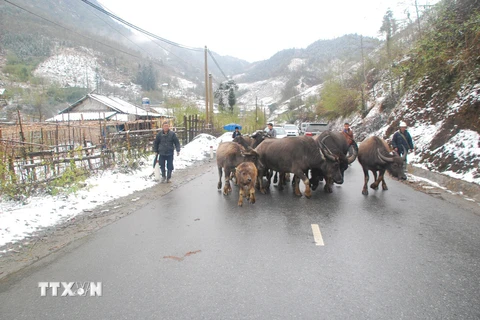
(353, 156)
(384, 158)
(328, 154)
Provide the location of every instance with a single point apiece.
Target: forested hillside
(427, 75)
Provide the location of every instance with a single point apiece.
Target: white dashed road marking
(317, 235)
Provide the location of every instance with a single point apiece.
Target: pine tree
(232, 99)
(389, 27)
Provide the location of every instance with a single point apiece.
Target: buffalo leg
(297, 186)
(365, 188)
(316, 177)
(375, 183)
(275, 177)
(382, 178)
(240, 196)
(328, 185)
(219, 185)
(252, 195)
(227, 188)
(287, 178)
(259, 183)
(281, 180)
(304, 178)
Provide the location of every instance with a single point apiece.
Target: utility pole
(210, 84)
(256, 112)
(264, 113)
(206, 87)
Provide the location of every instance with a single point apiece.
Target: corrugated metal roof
(77, 116)
(122, 106)
(161, 110)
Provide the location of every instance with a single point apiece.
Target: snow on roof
(122, 106)
(77, 116)
(162, 111)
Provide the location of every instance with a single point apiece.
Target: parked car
(302, 127)
(281, 133)
(291, 130)
(315, 128)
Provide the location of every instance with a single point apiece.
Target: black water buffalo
(230, 155)
(295, 155)
(374, 155)
(251, 141)
(334, 143)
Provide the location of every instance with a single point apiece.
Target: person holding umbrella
(236, 133)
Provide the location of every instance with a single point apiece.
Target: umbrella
(231, 126)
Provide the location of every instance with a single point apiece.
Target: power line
(140, 29)
(110, 14)
(137, 44)
(211, 55)
(81, 35)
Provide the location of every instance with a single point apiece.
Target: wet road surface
(193, 254)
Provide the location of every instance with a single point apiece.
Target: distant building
(100, 107)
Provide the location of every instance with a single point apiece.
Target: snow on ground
(19, 220)
(266, 92)
(70, 67)
(462, 147)
(296, 64)
(79, 67)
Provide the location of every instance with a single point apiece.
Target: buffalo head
(394, 164)
(331, 165)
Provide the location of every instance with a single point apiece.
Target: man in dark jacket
(164, 146)
(402, 141)
(236, 133)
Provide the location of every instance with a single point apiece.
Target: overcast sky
(255, 30)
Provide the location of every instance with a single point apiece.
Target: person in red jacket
(348, 133)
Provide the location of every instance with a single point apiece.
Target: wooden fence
(34, 153)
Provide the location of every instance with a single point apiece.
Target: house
(99, 107)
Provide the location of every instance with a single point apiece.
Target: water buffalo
(230, 155)
(251, 141)
(374, 155)
(295, 155)
(246, 175)
(334, 143)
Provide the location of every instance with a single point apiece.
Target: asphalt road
(193, 254)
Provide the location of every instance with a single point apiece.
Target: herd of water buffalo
(254, 160)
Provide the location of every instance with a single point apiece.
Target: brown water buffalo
(230, 155)
(334, 143)
(374, 155)
(251, 141)
(246, 175)
(295, 155)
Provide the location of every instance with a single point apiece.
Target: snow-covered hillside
(445, 139)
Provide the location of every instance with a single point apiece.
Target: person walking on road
(164, 146)
(402, 141)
